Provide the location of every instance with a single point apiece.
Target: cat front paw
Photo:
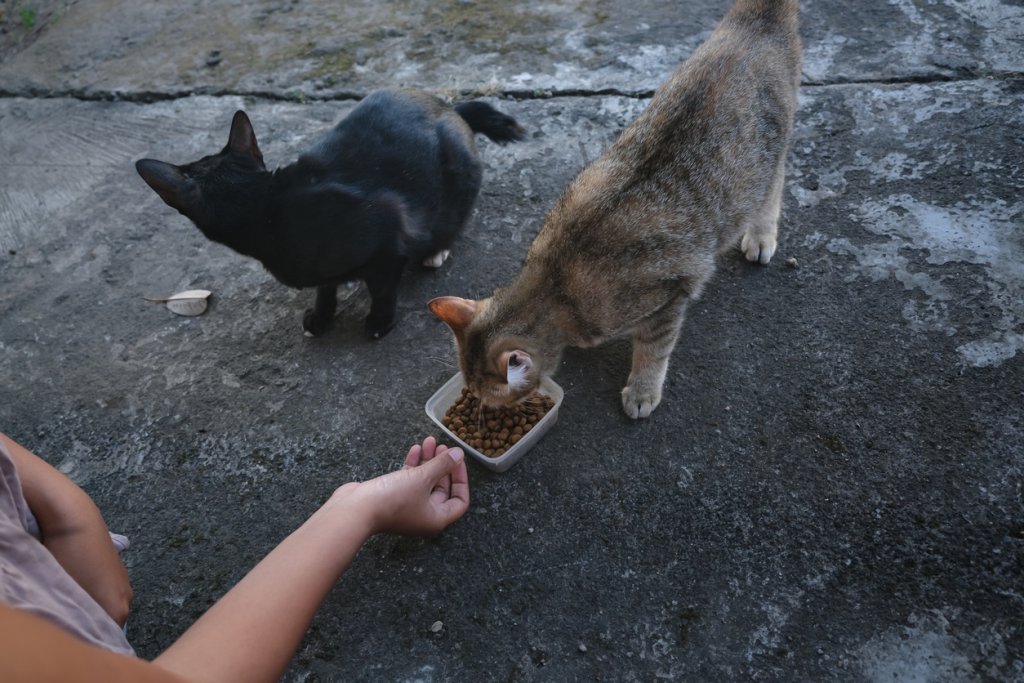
(377, 328)
(314, 325)
(757, 246)
(639, 401)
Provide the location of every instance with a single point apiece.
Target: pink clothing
(32, 580)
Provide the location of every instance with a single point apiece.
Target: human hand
(430, 492)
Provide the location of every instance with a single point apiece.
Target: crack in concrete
(150, 97)
(918, 79)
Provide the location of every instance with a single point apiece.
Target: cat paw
(375, 329)
(639, 402)
(438, 259)
(758, 247)
(314, 326)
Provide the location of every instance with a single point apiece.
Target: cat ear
(176, 189)
(516, 365)
(457, 313)
(242, 138)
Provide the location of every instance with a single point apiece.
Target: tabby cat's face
(500, 369)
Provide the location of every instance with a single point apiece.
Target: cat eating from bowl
(635, 236)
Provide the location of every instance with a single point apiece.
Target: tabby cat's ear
(176, 189)
(454, 311)
(242, 139)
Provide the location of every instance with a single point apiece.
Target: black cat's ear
(242, 139)
(176, 189)
(454, 311)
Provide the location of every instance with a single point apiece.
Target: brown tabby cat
(634, 238)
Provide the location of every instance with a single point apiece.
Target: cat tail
(773, 11)
(483, 118)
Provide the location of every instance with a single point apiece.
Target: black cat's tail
(483, 118)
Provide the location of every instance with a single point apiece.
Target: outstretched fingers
(458, 501)
(414, 457)
(419, 454)
(449, 492)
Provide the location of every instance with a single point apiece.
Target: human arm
(73, 530)
(252, 632)
(33, 650)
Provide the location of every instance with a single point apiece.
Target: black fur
(394, 181)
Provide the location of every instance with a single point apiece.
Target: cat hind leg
(438, 259)
(760, 238)
(317, 319)
(383, 285)
(460, 173)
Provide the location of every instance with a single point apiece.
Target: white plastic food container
(444, 397)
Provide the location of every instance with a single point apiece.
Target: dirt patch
(23, 21)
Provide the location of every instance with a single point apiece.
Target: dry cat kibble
(492, 431)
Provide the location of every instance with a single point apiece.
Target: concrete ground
(832, 488)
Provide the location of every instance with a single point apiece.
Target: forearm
(73, 531)
(252, 632)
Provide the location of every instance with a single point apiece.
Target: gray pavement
(831, 490)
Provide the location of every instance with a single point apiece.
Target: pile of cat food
(492, 431)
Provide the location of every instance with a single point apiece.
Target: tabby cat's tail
(771, 11)
(483, 118)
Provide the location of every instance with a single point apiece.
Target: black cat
(395, 180)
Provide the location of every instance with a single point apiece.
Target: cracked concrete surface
(831, 489)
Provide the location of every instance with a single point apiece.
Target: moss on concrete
(485, 25)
